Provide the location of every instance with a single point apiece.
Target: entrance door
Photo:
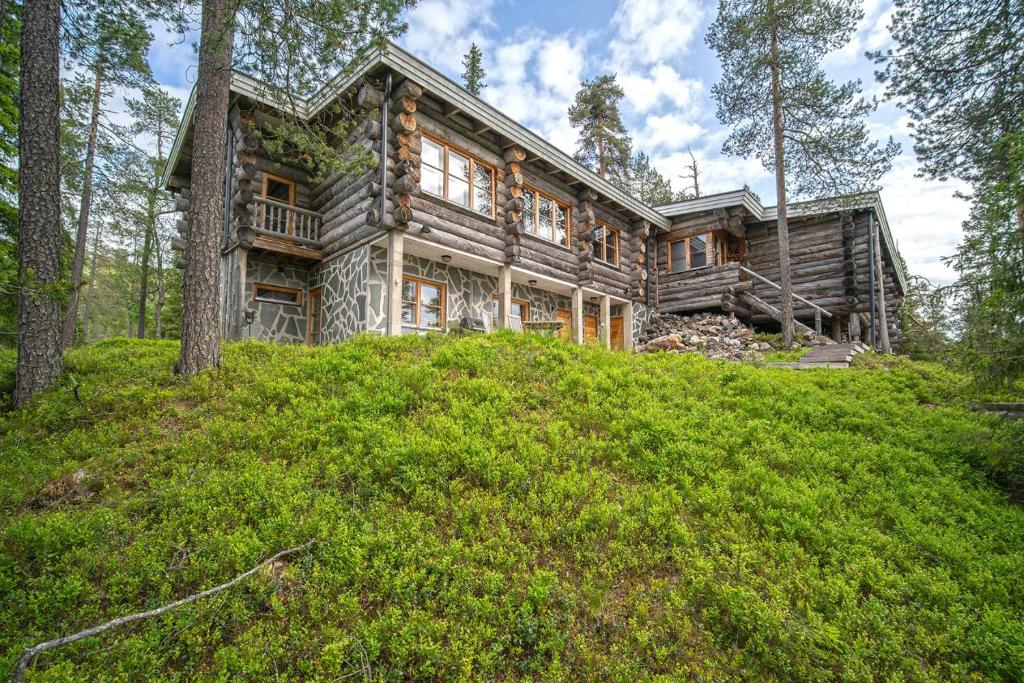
(618, 342)
(565, 331)
(313, 316)
(590, 329)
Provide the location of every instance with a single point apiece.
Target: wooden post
(396, 249)
(854, 326)
(606, 321)
(504, 296)
(837, 329)
(627, 326)
(577, 316)
(817, 322)
(883, 322)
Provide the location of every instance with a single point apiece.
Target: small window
(694, 252)
(606, 244)
(422, 303)
(454, 175)
(277, 295)
(279, 189)
(545, 217)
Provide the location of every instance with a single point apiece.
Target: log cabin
(468, 220)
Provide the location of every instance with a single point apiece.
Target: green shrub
(506, 506)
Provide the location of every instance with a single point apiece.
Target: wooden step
(769, 310)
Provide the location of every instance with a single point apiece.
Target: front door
(618, 342)
(565, 331)
(590, 329)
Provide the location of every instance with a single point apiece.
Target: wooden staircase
(740, 300)
(828, 356)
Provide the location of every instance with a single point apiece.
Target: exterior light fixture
(446, 258)
(425, 229)
(533, 283)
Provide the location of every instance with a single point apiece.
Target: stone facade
(468, 293)
(280, 322)
(345, 294)
(377, 284)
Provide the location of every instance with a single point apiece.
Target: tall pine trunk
(39, 228)
(87, 311)
(158, 306)
(78, 266)
(147, 251)
(200, 328)
(785, 275)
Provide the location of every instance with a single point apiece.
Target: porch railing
(818, 310)
(288, 220)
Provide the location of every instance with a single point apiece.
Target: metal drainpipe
(871, 273)
(384, 149)
(652, 244)
(229, 152)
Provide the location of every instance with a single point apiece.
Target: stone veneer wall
(284, 323)
(345, 294)
(641, 318)
(377, 296)
(468, 292)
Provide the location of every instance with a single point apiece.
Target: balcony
(286, 228)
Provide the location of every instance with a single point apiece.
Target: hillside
(509, 507)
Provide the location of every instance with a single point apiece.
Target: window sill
(464, 210)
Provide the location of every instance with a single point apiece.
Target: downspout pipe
(229, 153)
(384, 149)
(871, 273)
(652, 244)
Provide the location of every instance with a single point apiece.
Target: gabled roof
(401, 61)
(722, 200)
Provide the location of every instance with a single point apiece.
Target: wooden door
(590, 329)
(565, 331)
(313, 316)
(618, 341)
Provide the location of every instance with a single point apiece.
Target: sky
(536, 53)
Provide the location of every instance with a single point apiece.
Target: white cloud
(647, 89)
(667, 131)
(652, 31)
(441, 31)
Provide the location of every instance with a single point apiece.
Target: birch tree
(806, 129)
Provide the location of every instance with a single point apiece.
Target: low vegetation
(510, 507)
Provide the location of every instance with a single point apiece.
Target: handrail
(289, 207)
(795, 296)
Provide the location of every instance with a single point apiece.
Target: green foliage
(604, 145)
(511, 507)
(926, 321)
(10, 34)
(826, 144)
(474, 75)
(645, 182)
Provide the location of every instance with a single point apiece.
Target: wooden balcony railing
(287, 220)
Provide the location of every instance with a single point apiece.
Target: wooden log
(248, 143)
(242, 197)
(404, 123)
(402, 214)
(355, 236)
(408, 89)
(514, 154)
(357, 208)
(182, 227)
(331, 233)
(369, 97)
(178, 244)
(368, 190)
(410, 141)
(408, 166)
(180, 263)
(182, 204)
(406, 104)
(406, 184)
(245, 170)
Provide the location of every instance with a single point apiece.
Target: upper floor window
(454, 175)
(695, 251)
(606, 244)
(279, 189)
(545, 216)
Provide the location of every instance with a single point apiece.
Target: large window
(696, 251)
(454, 175)
(422, 303)
(545, 216)
(606, 244)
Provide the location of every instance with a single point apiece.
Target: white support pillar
(627, 326)
(396, 249)
(577, 315)
(883, 320)
(504, 296)
(606, 321)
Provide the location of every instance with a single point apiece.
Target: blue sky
(536, 53)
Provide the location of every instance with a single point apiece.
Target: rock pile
(716, 335)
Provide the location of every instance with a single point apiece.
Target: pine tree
(10, 31)
(474, 75)
(646, 183)
(40, 270)
(111, 42)
(312, 38)
(604, 145)
(808, 130)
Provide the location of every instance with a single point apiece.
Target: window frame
(555, 203)
(496, 299)
(267, 177)
(604, 249)
(443, 314)
(710, 252)
(473, 162)
(256, 286)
